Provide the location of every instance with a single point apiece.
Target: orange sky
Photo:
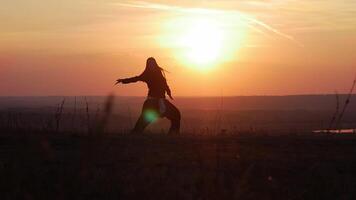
(247, 47)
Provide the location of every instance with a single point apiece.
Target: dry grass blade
(87, 114)
(74, 113)
(58, 114)
(335, 113)
(347, 102)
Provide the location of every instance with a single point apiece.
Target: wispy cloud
(251, 21)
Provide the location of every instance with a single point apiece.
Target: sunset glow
(178, 99)
(247, 47)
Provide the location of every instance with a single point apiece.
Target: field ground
(177, 167)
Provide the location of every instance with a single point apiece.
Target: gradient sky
(271, 47)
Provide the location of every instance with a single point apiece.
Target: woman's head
(152, 68)
(151, 63)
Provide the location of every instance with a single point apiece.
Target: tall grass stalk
(337, 108)
(74, 114)
(218, 118)
(87, 115)
(58, 114)
(347, 102)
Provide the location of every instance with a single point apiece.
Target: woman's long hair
(153, 70)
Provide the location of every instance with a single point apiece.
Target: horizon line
(184, 96)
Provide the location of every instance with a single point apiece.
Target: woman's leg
(173, 114)
(141, 124)
(148, 115)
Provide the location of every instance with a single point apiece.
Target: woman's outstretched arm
(128, 80)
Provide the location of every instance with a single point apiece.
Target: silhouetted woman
(156, 104)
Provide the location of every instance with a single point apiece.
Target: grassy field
(83, 151)
(152, 166)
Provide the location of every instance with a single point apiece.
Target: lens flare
(151, 115)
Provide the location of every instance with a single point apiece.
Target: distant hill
(277, 113)
(294, 102)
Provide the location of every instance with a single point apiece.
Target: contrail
(252, 22)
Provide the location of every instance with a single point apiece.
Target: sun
(202, 42)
